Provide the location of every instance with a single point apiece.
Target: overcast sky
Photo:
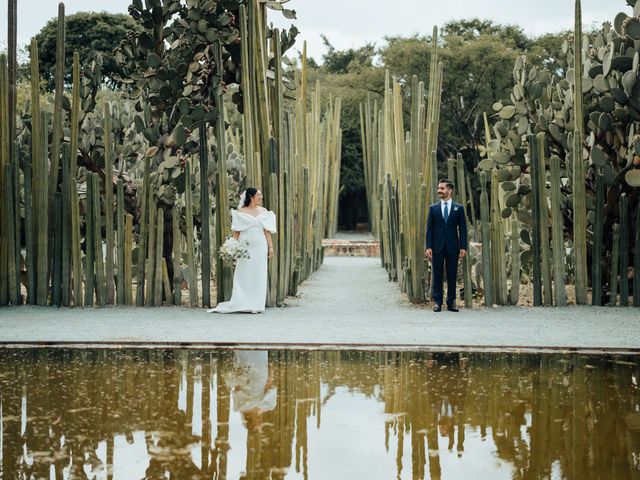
(351, 23)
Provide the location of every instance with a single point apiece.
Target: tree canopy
(478, 57)
(90, 33)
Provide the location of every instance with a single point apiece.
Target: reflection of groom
(446, 241)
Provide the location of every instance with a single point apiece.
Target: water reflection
(157, 414)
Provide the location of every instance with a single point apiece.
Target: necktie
(446, 211)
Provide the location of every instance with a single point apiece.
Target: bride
(254, 224)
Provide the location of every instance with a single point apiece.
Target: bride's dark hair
(249, 194)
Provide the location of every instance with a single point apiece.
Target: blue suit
(446, 239)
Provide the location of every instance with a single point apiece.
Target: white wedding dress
(250, 277)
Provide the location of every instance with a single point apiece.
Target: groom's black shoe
(437, 308)
(452, 308)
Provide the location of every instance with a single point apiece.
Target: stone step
(351, 248)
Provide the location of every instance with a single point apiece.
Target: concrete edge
(322, 346)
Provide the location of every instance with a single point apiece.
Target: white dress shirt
(442, 204)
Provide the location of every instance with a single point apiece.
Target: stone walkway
(348, 302)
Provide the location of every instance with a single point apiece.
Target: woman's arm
(236, 234)
(267, 234)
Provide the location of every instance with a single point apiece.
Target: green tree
(90, 33)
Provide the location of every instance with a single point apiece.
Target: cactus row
(400, 175)
(95, 231)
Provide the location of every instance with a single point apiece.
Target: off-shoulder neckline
(253, 216)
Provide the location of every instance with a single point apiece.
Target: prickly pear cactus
(543, 101)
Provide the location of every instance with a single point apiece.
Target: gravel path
(349, 301)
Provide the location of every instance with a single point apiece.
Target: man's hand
(463, 253)
(428, 253)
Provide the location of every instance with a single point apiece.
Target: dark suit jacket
(451, 237)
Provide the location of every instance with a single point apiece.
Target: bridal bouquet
(233, 249)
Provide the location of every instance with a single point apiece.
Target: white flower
(233, 249)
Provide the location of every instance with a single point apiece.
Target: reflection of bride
(251, 386)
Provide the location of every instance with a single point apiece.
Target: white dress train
(250, 277)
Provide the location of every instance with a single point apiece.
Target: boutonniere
(455, 209)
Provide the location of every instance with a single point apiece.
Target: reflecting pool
(250, 414)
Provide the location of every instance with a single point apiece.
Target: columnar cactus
(578, 180)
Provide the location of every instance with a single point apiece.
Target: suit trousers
(439, 261)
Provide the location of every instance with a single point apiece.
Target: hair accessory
(243, 197)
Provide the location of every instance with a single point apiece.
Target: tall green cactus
(485, 228)
(636, 263)
(615, 263)
(559, 292)
(535, 222)
(466, 262)
(4, 162)
(514, 293)
(188, 212)
(89, 262)
(108, 207)
(97, 239)
(624, 251)
(57, 133)
(121, 248)
(596, 269)
(177, 253)
(143, 237)
(578, 184)
(128, 260)
(76, 264)
(543, 212)
(205, 210)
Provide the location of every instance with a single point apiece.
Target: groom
(446, 241)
